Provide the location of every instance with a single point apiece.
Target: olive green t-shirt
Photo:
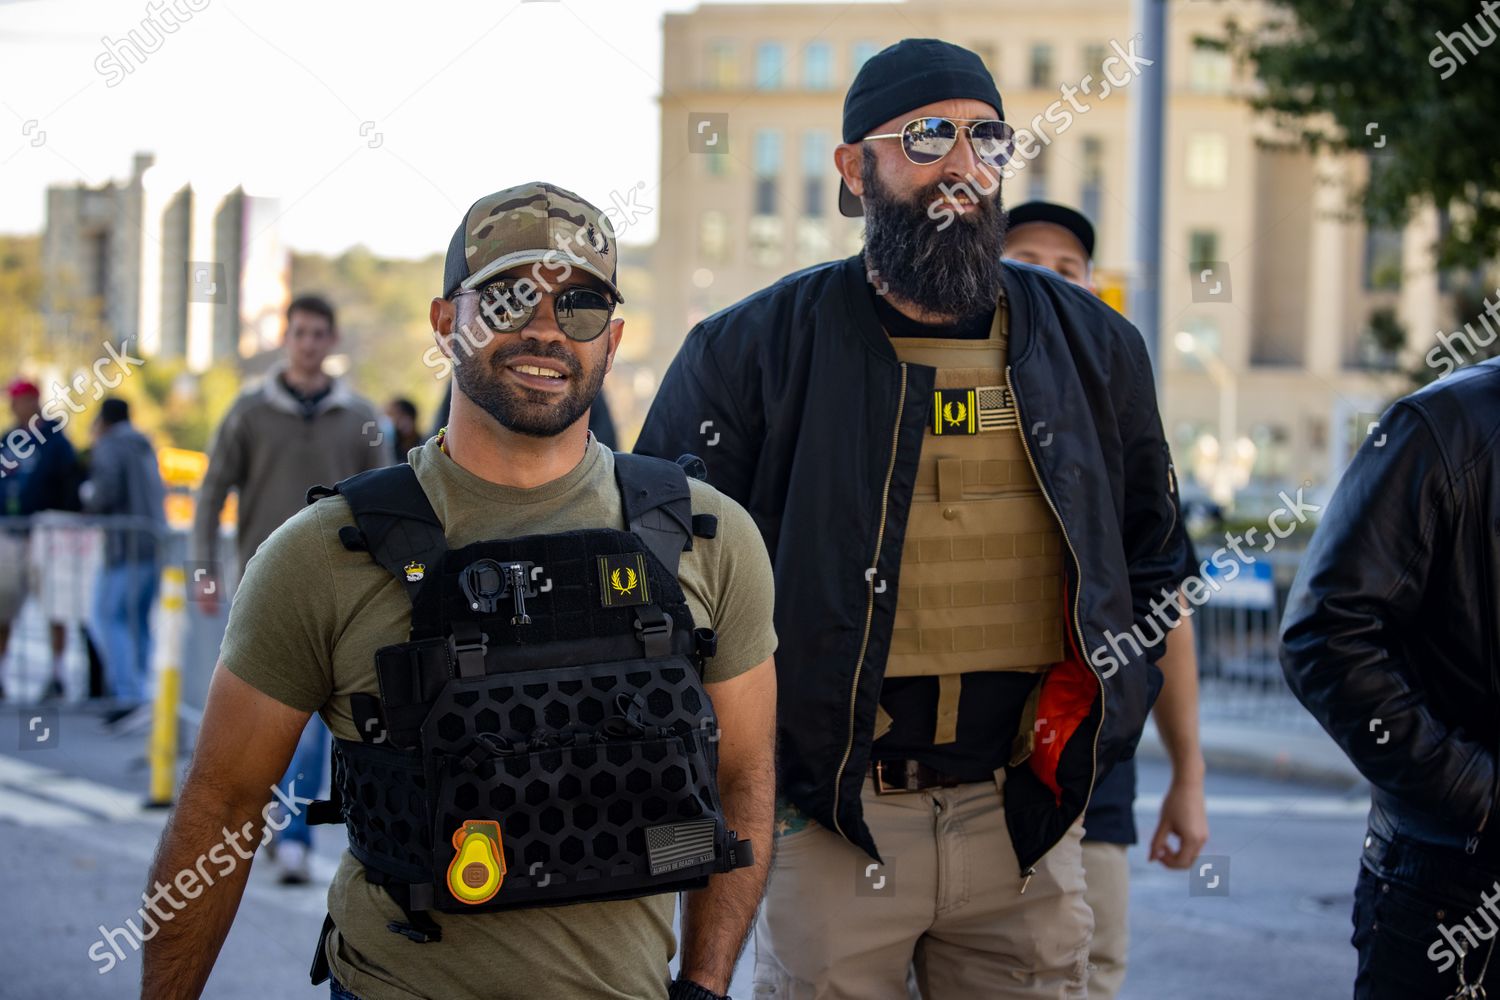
(304, 628)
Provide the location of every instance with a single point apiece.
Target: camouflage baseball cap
(533, 223)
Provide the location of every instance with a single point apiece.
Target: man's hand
(1184, 816)
(716, 919)
(204, 858)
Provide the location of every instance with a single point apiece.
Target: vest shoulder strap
(657, 505)
(396, 523)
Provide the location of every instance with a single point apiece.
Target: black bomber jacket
(795, 399)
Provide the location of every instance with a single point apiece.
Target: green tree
(1377, 77)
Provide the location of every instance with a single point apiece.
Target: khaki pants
(836, 925)
(1107, 873)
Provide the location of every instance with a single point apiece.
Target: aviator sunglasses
(582, 313)
(927, 140)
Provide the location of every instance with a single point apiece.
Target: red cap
(23, 387)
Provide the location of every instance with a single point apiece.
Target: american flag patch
(672, 846)
(997, 411)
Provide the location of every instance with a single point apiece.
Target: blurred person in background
(1062, 240)
(125, 483)
(295, 428)
(39, 470)
(1392, 641)
(1005, 501)
(402, 414)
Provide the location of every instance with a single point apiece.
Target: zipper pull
(1471, 845)
(1026, 880)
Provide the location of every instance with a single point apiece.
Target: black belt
(907, 775)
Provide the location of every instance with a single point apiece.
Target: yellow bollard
(161, 748)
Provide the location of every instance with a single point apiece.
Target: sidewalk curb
(1331, 770)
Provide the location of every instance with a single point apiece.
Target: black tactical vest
(543, 736)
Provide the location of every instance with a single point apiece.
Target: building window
(1203, 247)
(717, 165)
(817, 66)
(1093, 61)
(767, 167)
(813, 244)
(768, 66)
(815, 159)
(1273, 452)
(861, 52)
(720, 70)
(713, 237)
(766, 240)
(1208, 161)
(1041, 66)
(1209, 71)
(1091, 192)
(1036, 177)
(1383, 245)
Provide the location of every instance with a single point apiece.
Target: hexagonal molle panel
(674, 779)
(569, 688)
(660, 703)
(502, 797)
(653, 808)
(555, 714)
(590, 711)
(466, 797)
(621, 813)
(518, 825)
(654, 752)
(451, 727)
(535, 690)
(585, 817)
(569, 786)
(522, 719)
(537, 792)
(369, 795)
(602, 785)
(691, 702)
(551, 820)
(571, 850)
(401, 831)
(605, 682)
(466, 699)
(606, 846)
(487, 721)
(638, 781)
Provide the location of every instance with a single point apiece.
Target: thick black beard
(955, 270)
(533, 412)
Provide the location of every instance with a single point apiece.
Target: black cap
(114, 410)
(911, 74)
(1059, 215)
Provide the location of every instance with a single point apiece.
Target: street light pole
(1147, 111)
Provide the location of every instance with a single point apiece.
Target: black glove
(686, 989)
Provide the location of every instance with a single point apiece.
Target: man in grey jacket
(125, 483)
(297, 428)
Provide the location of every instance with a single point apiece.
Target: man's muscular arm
(244, 745)
(716, 919)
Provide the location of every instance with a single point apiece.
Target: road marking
(56, 795)
(1290, 806)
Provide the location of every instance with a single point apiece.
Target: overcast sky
(275, 94)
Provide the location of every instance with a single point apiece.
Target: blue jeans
(122, 620)
(1416, 908)
(337, 992)
(307, 769)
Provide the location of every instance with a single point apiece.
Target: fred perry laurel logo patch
(622, 580)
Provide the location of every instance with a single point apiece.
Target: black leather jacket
(1390, 635)
(797, 402)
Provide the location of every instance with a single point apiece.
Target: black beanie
(910, 74)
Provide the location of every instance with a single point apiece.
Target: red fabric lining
(1067, 695)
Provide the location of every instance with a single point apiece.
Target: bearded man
(958, 468)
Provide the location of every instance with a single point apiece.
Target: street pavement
(1270, 918)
